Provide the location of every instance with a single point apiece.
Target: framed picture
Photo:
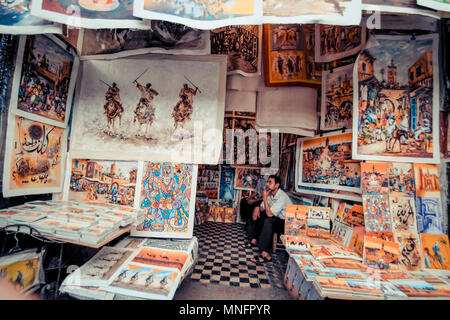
(246, 178)
(289, 56)
(396, 100)
(226, 188)
(44, 80)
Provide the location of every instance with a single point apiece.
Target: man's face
(271, 185)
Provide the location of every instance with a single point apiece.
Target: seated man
(272, 212)
(248, 204)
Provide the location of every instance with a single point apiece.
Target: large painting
(242, 45)
(89, 14)
(168, 196)
(44, 80)
(16, 18)
(133, 106)
(337, 98)
(226, 187)
(34, 157)
(340, 12)
(396, 100)
(163, 37)
(201, 14)
(326, 162)
(289, 56)
(337, 42)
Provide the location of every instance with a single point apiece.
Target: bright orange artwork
(374, 178)
(436, 251)
(380, 254)
(164, 258)
(427, 180)
(295, 220)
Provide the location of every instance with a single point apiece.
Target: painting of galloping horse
(132, 105)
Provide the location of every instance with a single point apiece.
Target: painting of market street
(395, 89)
(103, 181)
(327, 161)
(44, 83)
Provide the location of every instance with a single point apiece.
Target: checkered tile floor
(222, 260)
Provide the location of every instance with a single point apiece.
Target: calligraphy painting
(374, 178)
(168, 196)
(144, 281)
(429, 216)
(131, 105)
(201, 14)
(89, 14)
(16, 18)
(34, 158)
(246, 178)
(103, 181)
(403, 214)
(289, 56)
(326, 162)
(242, 45)
(376, 213)
(410, 257)
(339, 12)
(436, 251)
(44, 80)
(337, 42)
(337, 98)
(401, 179)
(163, 37)
(396, 103)
(226, 187)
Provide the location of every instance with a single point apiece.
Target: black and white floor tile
(223, 260)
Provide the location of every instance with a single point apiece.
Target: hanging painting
(34, 157)
(246, 178)
(89, 14)
(399, 6)
(44, 80)
(339, 12)
(168, 196)
(16, 18)
(326, 162)
(289, 56)
(226, 188)
(337, 98)
(163, 37)
(337, 42)
(441, 5)
(201, 14)
(396, 100)
(242, 45)
(132, 105)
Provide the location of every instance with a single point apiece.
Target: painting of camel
(158, 107)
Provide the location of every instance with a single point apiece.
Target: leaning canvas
(132, 105)
(168, 196)
(396, 100)
(34, 157)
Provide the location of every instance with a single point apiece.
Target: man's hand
(265, 193)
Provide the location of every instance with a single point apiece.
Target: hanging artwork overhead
(442, 5)
(159, 107)
(339, 12)
(163, 37)
(88, 13)
(15, 18)
(337, 98)
(326, 162)
(201, 14)
(242, 45)
(399, 6)
(44, 80)
(396, 100)
(34, 157)
(337, 42)
(168, 196)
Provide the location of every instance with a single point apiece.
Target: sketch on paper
(163, 37)
(337, 98)
(201, 14)
(34, 158)
(88, 13)
(103, 181)
(16, 18)
(396, 100)
(168, 196)
(337, 42)
(44, 80)
(242, 45)
(147, 115)
(326, 162)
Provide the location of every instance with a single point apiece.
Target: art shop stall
(133, 133)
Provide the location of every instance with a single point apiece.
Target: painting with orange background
(33, 158)
(427, 180)
(436, 251)
(295, 220)
(374, 179)
(158, 257)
